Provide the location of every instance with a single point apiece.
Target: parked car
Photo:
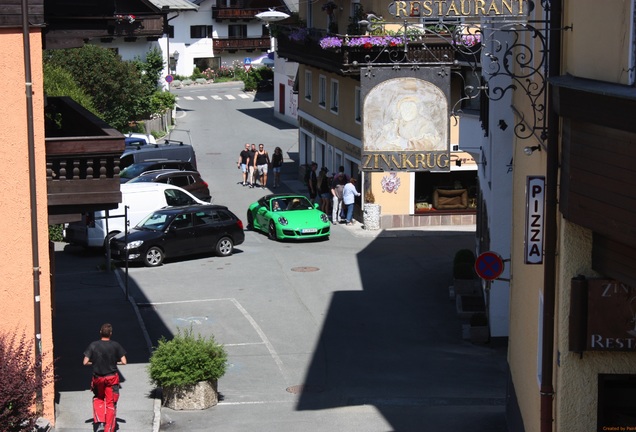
(188, 180)
(140, 199)
(136, 169)
(137, 151)
(138, 139)
(285, 216)
(179, 231)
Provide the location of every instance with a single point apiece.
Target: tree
(116, 86)
(59, 82)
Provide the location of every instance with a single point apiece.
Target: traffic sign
(247, 61)
(489, 265)
(169, 78)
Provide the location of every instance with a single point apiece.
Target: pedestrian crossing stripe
(215, 97)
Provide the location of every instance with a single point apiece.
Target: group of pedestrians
(254, 165)
(343, 194)
(335, 195)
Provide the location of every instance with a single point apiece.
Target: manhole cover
(304, 269)
(304, 388)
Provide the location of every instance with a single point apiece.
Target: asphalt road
(350, 334)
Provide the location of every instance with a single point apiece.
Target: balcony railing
(236, 44)
(303, 46)
(82, 159)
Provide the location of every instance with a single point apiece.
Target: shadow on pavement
(397, 345)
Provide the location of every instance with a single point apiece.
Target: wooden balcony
(82, 160)
(347, 60)
(242, 44)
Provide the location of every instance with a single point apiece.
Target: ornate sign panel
(405, 124)
(441, 9)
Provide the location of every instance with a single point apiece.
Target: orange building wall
(16, 263)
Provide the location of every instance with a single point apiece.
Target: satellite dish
(271, 16)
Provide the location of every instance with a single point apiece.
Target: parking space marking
(248, 317)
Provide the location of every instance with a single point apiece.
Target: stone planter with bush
(187, 368)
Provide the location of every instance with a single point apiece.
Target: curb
(156, 420)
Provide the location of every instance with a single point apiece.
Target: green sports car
(284, 216)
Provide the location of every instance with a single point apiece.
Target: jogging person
(104, 355)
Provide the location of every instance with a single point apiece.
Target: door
(281, 98)
(180, 239)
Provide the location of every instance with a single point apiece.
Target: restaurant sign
(611, 316)
(440, 9)
(406, 122)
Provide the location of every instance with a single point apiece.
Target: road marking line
(230, 97)
(188, 98)
(244, 96)
(202, 98)
(217, 97)
(248, 317)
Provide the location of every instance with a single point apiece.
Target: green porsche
(285, 216)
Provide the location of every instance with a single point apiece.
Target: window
(335, 89)
(322, 91)
(308, 85)
(180, 181)
(357, 111)
(200, 32)
(176, 197)
(237, 31)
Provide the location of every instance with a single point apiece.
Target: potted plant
(479, 331)
(371, 214)
(187, 368)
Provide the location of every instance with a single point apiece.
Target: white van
(141, 199)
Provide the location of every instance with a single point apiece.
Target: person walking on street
(337, 186)
(104, 355)
(349, 195)
(251, 174)
(277, 164)
(312, 182)
(261, 163)
(324, 189)
(243, 162)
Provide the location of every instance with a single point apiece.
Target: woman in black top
(277, 163)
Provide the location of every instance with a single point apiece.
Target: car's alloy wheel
(153, 257)
(224, 246)
(272, 230)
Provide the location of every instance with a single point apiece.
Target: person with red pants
(104, 355)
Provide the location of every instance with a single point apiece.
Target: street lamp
(268, 17)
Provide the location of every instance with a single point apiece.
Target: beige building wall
(395, 203)
(585, 54)
(526, 293)
(597, 46)
(16, 290)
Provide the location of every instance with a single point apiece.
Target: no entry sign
(489, 265)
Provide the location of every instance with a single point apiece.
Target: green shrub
(55, 233)
(20, 382)
(186, 360)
